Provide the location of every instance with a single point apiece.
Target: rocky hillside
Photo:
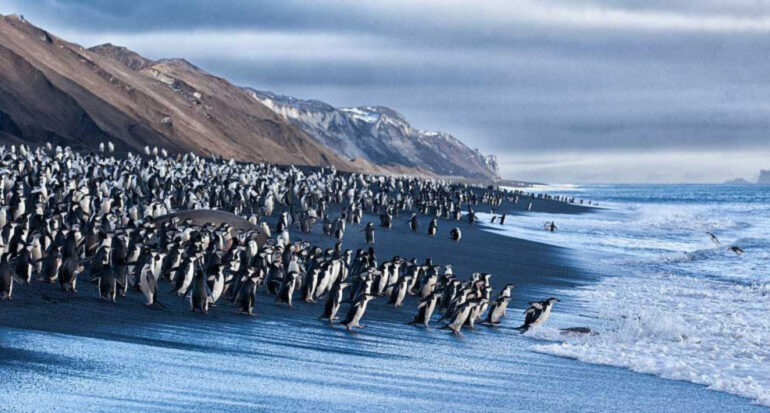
(381, 136)
(53, 90)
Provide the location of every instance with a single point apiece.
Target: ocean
(670, 302)
(641, 272)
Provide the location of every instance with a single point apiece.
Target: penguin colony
(69, 217)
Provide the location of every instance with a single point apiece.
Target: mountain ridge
(381, 135)
(56, 91)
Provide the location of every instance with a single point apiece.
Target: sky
(567, 91)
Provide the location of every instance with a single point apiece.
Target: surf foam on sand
(671, 303)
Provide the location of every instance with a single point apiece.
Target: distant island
(764, 178)
(738, 181)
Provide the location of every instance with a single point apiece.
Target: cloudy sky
(560, 90)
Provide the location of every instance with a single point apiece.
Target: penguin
(399, 293)
(736, 249)
(7, 277)
(537, 314)
(432, 227)
(460, 316)
(107, 284)
(247, 295)
(69, 275)
(217, 283)
(369, 230)
(24, 267)
(356, 312)
(425, 309)
(334, 301)
(455, 234)
(199, 296)
(714, 239)
(148, 285)
(286, 293)
(413, 223)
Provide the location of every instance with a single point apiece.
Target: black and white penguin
(148, 285)
(247, 294)
(714, 239)
(537, 314)
(199, 296)
(736, 249)
(455, 234)
(107, 284)
(7, 277)
(369, 232)
(288, 286)
(414, 224)
(356, 312)
(460, 316)
(334, 301)
(425, 309)
(432, 227)
(68, 277)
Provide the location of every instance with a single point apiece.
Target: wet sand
(81, 354)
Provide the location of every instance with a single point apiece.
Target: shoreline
(150, 359)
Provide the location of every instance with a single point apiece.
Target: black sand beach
(81, 354)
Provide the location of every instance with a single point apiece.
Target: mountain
(53, 90)
(381, 136)
(764, 177)
(737, 181)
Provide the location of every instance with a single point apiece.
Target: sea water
(671, 302)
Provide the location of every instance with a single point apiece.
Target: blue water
(672, 303)
(84, 355)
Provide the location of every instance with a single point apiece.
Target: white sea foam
(673, 304)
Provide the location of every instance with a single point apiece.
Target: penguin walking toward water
(455, 234)
(369, 230)
(356, 312)
(425, 309)
(537, 314)
(247, 295)
(286, 292)
(69, 275)
(7, 277)
(108, 284)
(432, 227)
(334, 301)
(148, 285)
(500, 305)
(460, 316)
(200, 295)
(413, 223)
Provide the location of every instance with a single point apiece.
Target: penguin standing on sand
(500, 305)
(107, 284)
(425, 309)
(537, 314)
(200, 295)
(369, 230)
(7, 276)
(334, 301)
(413, 223)
(455, 234)
(356, 312)
(247, 295)
(148, 285)
(432, 228)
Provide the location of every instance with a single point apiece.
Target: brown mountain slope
(53, 90)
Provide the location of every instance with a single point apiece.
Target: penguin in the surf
(736, 249)
(714, 239)
(537, 314)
